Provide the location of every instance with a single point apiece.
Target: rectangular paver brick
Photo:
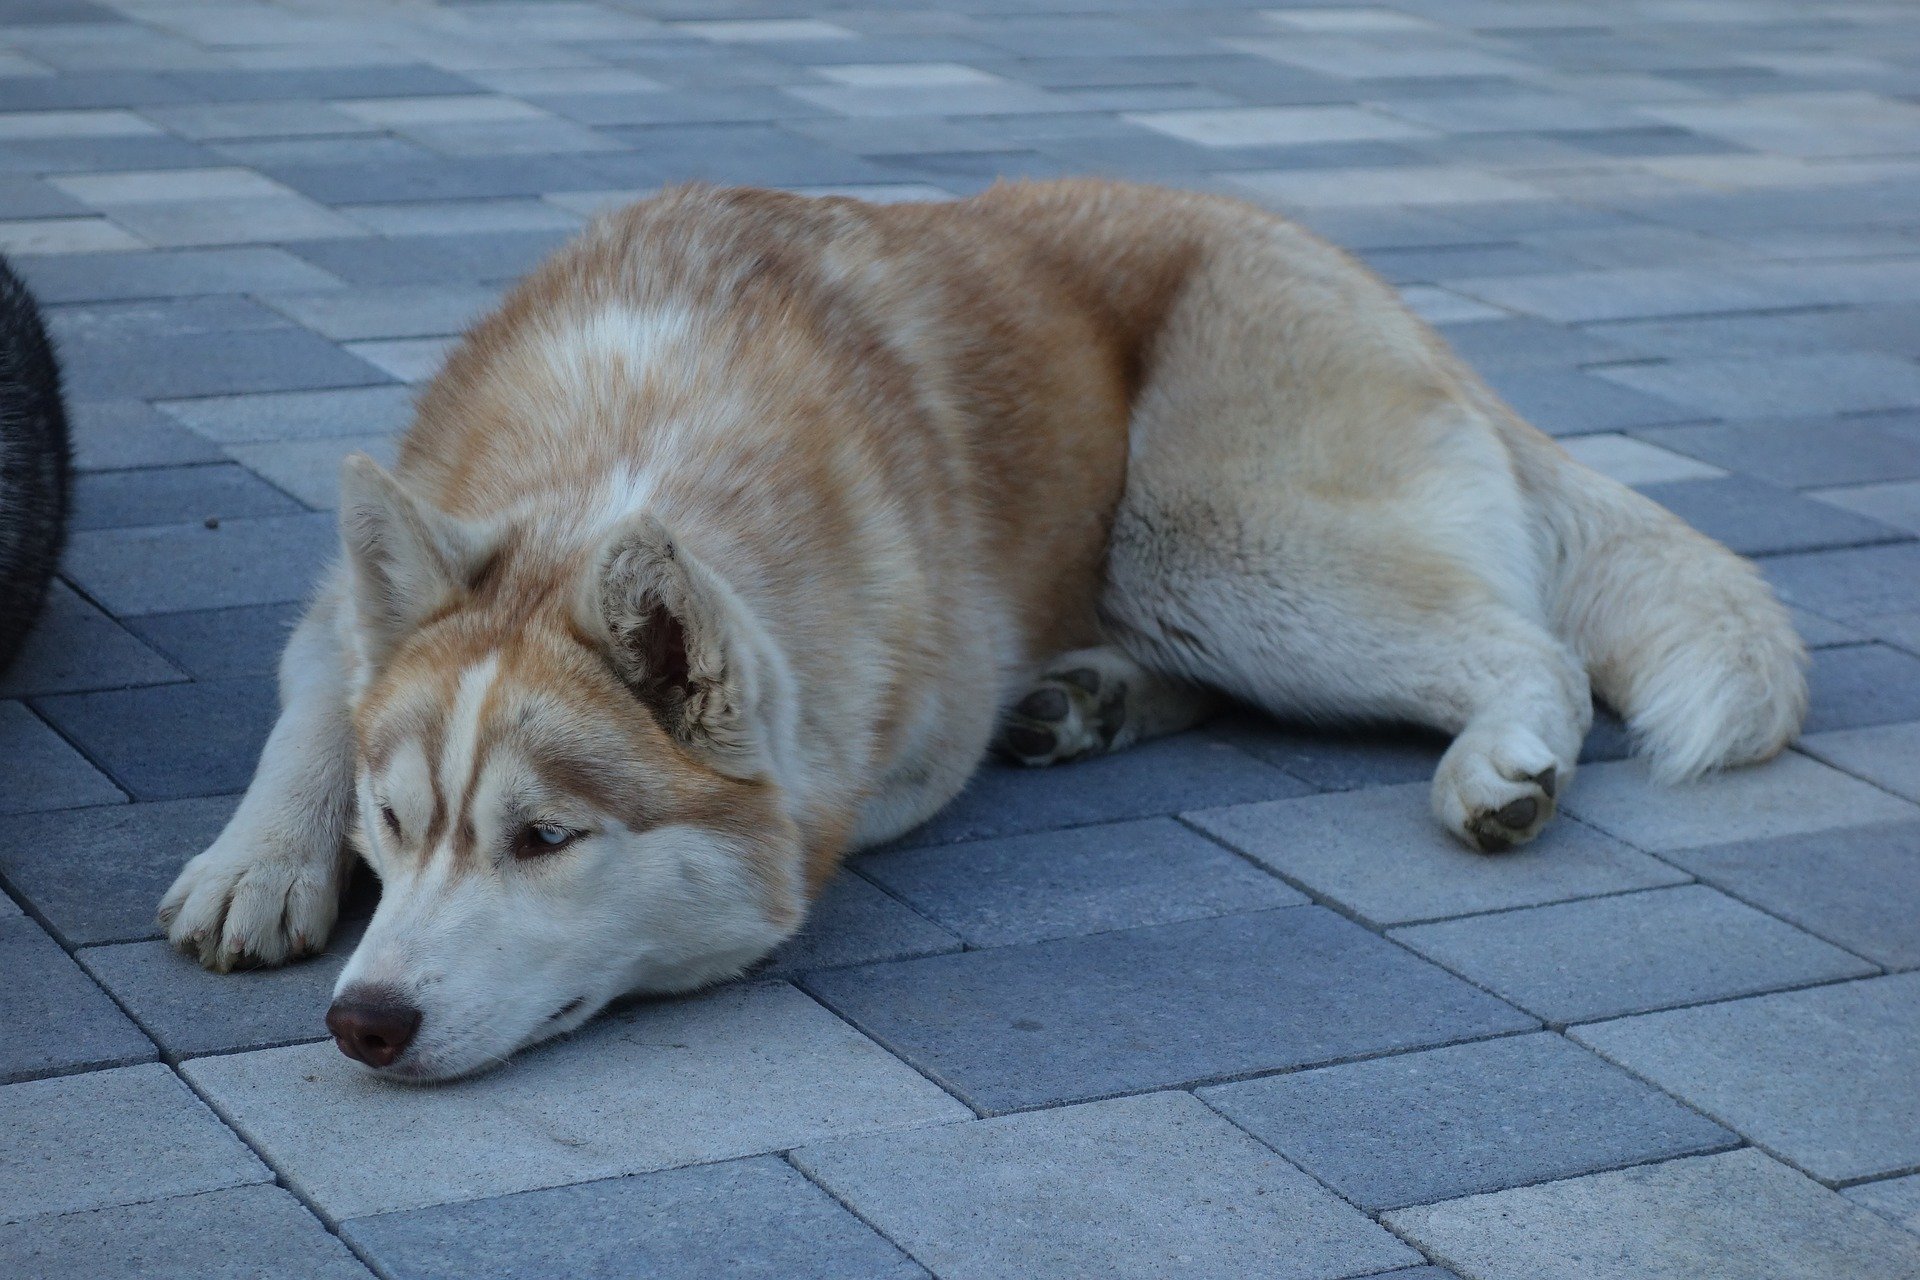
(173, 568)
(234, 1234)
(113, 1137)
(1419, 1127)
(1075, 1018)
(56, 1018)
(1823, 1077)
(1735, 1216)
(745, 1070)
(43, 771)
(1148, 1186)
(1380, 854)
(1603, 957)
(1887, 755)
(755, 1219)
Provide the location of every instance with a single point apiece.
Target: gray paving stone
(1755, 518)
(745, 1070)
(1578, 296)
(1799, 454)
(1519, 342)
(1721, 1217)
(213, 644)
(1886, 755)
(171, 495)
(1076, 1018)
(402, 311)
(98, 277)
(1040, 1195)
(310, 469)
(1784, 797)
(110, 434)
(854, 923)
(1831, 382)
(175, 568)
(296, 415)
(125, 1136)
(1419, 1127)
(191, 365)
(1603, 957)
(100, 155)
(1379, 854)
(1568, 402)
(1897, 504)
(451, 178)
(1061, 884)
(168, 742)
(1822, 1078)
(1866, 684)
(756, 1219)
(216, 1235)
(43, 772)
(57, 1019)
(74, 646)
(1152, 780)
(1855, 886)
(1895, 1199)
(759, 155)
(455, 259)
(189, 1010)
(96, 875)
(1852, 585)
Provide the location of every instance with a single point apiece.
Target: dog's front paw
(1496, 790)
(245, 903)
(1068, 715)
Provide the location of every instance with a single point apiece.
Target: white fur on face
(499, 953)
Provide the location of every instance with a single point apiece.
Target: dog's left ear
(678, 636)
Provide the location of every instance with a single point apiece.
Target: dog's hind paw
(1068, 715)
(1495, 791)
(243, 905)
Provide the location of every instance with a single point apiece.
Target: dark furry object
(34, 463)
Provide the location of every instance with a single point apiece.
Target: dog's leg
(268, 889)
(1096, 700)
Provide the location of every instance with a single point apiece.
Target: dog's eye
(539, 837)
(388, 816)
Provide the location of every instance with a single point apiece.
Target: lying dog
(732, 540)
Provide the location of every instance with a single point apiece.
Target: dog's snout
(372, 1025)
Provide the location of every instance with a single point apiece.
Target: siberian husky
(745, 526)
(33, 463)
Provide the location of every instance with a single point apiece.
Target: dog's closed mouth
(566, 1008)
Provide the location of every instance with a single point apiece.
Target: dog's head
(563, 779)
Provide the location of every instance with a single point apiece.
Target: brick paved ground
(1225, 1006)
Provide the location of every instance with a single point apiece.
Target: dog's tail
(1679, 635)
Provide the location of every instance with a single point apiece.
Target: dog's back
(33, 463)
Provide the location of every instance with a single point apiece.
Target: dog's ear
(404, 558)
(678, 636)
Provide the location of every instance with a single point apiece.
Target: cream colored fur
(730, 541)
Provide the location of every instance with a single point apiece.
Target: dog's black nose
(372, 1024)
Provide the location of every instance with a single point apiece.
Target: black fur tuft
(35, 463)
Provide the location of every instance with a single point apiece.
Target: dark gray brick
(761, 155)
(110, 434)
(179, 367)
(173, 568)
(1800, 454)
(93, 277)
(102, 155)
(96, 875)
(216, 1235)
(743, 1219)
(1566, 402)
(1088, 880)
(398, 80)
(1757, 519)
(1850, 585)
(43, 772)
(73, 646)
(213, 644)
(1857, 886)
(499, 255)
(171, 741)
(56, 1018)
(1420, 1127)
(458, 178)
(189, 1010)
(1156, 779)
(699, 108)
(1856, 685)
(854, 923)
(1604, 957)
(1014, 1027)
(173, 495)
